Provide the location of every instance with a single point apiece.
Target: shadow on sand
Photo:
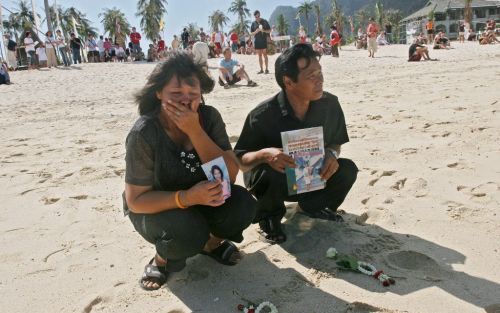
(415, 262)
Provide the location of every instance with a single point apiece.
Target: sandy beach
(425, 137)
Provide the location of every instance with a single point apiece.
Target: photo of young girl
(217, 170)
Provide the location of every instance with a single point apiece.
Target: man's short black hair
(287, 62)
(256, 12)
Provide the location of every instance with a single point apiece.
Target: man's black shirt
(264, 124)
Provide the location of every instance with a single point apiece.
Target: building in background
(448, 14)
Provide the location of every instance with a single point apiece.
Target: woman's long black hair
(179, 64)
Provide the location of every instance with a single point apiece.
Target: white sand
(424, 135)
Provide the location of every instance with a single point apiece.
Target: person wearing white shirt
(30, 50)
(93, 54)
(100, 45)
(200, 54)
(42, 55)
(61, 46)
(50, 49)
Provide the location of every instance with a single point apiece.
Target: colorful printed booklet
(307, 148)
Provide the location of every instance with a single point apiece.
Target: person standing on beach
(429, 26)
(388, 32)
(50, 49)
(76, 46)
(185, 38)
(175, 43)
(302, 103)
(11, 52)
(372, 31)
(93, 54)
(42, 55)
(61, 46)
(135, 38)
(334, 41)
(30, 50)
(260, 30)
(100, 46)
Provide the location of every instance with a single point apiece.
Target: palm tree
(217, 19)
(282, 25)
(82, 23)
(379, 8)
(239, 7)
(304, 9)
(319, 30)
(394, 17)
(113, 19)
(151, 12)
(22, 21)
(362, 16)
(338, 16)
(241, 28)
(193, 30)
(468, 12)
(47, 16)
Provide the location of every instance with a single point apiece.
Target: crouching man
(302, 103)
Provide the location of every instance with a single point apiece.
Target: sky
(179, 12)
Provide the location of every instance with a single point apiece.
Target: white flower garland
(366, 268)
(261, 306)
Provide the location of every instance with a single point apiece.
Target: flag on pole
(162, 24)
(118, 26)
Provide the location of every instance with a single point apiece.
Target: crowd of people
(260, 40)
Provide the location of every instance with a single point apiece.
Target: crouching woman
(167, 196)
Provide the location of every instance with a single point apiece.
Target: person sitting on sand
(421, 39)
(4, 73)
(201, 52)
(318, 46)
(381, 40)
(167, 196)
(302, 103)
(441, 41)
(227, 76)
(417, 52)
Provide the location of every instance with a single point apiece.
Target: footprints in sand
(417, 187)
(483, 193)
(47, 200)
(459, 211)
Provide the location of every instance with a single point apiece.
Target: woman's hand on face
(205, 193)
(184, 117)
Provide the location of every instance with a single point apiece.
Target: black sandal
(324, 214)
(155, 274)
(223, 253)
(270, 230)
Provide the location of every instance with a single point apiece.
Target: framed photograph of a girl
(167, 196)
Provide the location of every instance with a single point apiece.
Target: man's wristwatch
(332, 152)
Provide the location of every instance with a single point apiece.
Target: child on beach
(227, 76)
(42, 55)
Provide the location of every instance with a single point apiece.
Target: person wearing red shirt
(161, 47)
(234, 41)
(372, 32)
(135, 38)
(334, 41)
